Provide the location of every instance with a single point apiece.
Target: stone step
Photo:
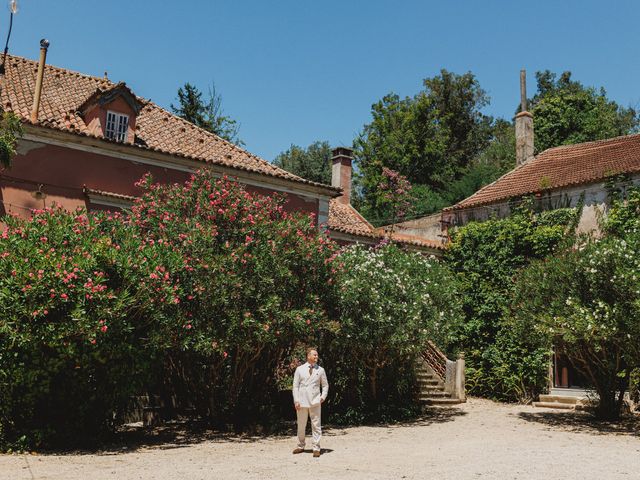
(560, 405)
(429, 382)
(428, 395)
(426, 391)
(559, 399)
(441, 401)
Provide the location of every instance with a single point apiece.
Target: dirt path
(480, 439)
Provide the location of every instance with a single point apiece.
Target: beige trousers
(316, 429)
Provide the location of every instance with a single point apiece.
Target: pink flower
(103, 328)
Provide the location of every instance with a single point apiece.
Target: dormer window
(117, 126)
(110, 112)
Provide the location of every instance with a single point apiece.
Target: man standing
(307, 399)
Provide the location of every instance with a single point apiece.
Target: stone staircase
(431, 386)
(564, 400)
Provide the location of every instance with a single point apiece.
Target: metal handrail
(435, 359)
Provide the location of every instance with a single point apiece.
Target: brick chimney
(341, 172)
(524, 126)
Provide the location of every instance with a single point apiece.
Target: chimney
(44, 45)
(524, 126)
(341, 172)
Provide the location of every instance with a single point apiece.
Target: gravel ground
(479, 439)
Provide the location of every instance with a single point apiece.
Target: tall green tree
(206, 113)
(312, 163)
(429, 138)
(10, 131)
(494, 161)
(566, 112)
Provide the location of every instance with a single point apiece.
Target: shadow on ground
(430, 416)
(583, 423)
(181, 434)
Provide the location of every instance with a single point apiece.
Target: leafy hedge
(486, 257)
(585, 301)
(193, 296)
(203, 295)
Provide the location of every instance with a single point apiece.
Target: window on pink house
(117, 125)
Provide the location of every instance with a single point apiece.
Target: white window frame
(117, 126)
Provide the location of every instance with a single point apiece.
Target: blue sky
(299, 71)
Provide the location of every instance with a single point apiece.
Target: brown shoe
(298, 450)
(316, 453)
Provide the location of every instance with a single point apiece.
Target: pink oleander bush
(71, 315)
(255, 281)
(194, 295)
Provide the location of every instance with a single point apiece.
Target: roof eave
(102, 146)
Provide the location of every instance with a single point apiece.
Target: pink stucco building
(88, 140)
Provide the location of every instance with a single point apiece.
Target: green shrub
(194, 296)
(253, 284)
(390, 303)
(486, 257)
(586, 302)
(71, 314)
(202, 294)
(624, 215)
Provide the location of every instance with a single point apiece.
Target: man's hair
(311, 349)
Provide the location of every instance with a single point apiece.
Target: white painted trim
(347, 237)
(108, 201)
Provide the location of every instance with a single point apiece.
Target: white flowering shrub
(390, 303)
(586, 302)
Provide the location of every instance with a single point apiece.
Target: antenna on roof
(13, 9)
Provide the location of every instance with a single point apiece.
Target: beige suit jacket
(310, 390)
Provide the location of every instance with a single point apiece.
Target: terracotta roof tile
(562, 167)
(346, 219)
(65, 91)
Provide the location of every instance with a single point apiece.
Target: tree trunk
(373, 383)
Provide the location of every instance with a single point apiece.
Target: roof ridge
(477, 192)
(360, 216)
(590, 143)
